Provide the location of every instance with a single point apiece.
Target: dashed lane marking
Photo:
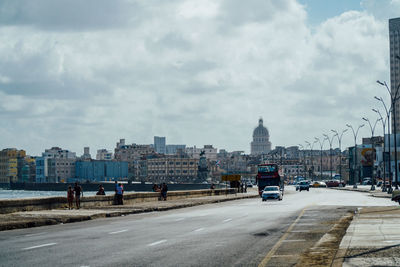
(227, 220)
(268, 257)
(117, 232)
(198, 230)
(28, 235)
(157, 243)
(179, 219)
(40, 246)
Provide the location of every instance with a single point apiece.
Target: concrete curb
(18, 221)
(372, 193)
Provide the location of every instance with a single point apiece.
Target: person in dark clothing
(164, 190)
(101, 191)
(70, 197)
(155, 188)
(78, 191)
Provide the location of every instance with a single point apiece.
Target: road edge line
(271, 253)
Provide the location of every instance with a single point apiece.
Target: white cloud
(198, 72)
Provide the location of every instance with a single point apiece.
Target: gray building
(159, 144)
(261, 144)
(394, 37)
(172, 149)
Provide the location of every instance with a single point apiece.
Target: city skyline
(197, 72)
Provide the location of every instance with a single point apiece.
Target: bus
(268, 175)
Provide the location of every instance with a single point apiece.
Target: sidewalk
(365, 189)
(372, 239)
(28, 219)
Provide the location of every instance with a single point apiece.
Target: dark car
(304, 185)
(332, 183)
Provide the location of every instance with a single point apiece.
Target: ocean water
(12, 194)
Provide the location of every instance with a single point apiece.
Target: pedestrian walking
(120, 193)
(78, 191)
(70, 197)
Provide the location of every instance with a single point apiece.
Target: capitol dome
(260, 131)
(261, 144)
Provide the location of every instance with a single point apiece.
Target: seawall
(47, 203)
(95, 187)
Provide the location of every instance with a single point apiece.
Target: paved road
(232, 233)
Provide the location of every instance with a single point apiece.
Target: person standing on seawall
(78, 191)
(70, 197)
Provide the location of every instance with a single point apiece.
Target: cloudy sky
(86, 73)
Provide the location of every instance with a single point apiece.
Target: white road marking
(179, 219)
(40, 246)
(228, 220)
(117, 232)
(157, 243)
(198, 230)
(35, 234)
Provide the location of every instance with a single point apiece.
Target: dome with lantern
(261, 144)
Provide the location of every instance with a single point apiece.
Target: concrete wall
(95, 186)
(47, 203)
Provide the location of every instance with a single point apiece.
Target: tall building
(133, 154)
(172, 149)
(394, 37)
(9, 159)
(159, 145)
(55, 165)
(165, 169)
(86, 154)
(261, 144)
(104, 154)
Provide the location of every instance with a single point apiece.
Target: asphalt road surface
(235, 233)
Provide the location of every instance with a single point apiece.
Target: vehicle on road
(271, 192)
(318, 184)
(367, 181)
(268, 175)
(333, 183)
(303, 185)
(249, 185)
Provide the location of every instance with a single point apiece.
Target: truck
(268, 175)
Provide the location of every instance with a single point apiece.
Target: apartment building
(9, 158)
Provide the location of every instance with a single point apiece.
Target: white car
(271, 192)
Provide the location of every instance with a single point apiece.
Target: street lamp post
(373, 150)
(356, 172)
(340, 149)
(389, 145)
(311, 157)
(304, 161)
(384, 148)
(330, 140)
(393, 99)
(321, 144)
